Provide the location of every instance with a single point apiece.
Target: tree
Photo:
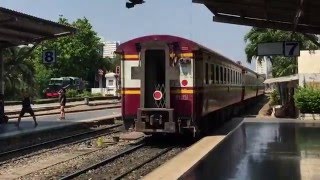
(18, 70)
(115, 61)
(260, 35)
(78, 55)
(282, 66)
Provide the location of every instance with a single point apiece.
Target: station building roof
(289, 15)
(20, 29)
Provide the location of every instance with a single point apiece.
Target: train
(55, 85)
(172, 85)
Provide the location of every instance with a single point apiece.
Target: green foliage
(274, 98)
(77, 55)
(85, 94)
(96, 95)
(308, 100)
(282, 66)
(18, 71)
(261, 35)
(71, 93)
(116, 61)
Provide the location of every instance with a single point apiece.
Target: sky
(114, 22)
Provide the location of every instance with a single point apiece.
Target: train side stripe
(135, 57)
(179, 91)
(130, 92)
(182, 91)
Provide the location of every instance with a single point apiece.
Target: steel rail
(58, 140)
(143, 163)
(103, 162)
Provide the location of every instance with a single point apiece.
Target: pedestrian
(26, 107)
(62, 100)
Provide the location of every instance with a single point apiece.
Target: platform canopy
(282, 79)
(289, 15)
(20, 29)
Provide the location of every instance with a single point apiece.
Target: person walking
(26, 107)
(62, 100)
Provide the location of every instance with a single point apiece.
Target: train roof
(129, 47)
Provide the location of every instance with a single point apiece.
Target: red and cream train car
(171, 84)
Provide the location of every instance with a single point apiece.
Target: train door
(155, 89)
(155, 78)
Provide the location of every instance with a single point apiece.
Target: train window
(228, 76)
(236, 77)
(212, 73)
(217, 74)
(225, 75)
(232, 77)
(221, 74)
(135, 72)
(207, 74)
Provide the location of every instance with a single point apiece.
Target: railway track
(102, 163)
(143, 163)
(125, 154)
(28, 151)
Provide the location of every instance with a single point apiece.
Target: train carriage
(173, 85)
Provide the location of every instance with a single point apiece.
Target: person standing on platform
(26, 107)
(62, 100)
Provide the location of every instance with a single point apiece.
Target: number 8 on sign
(49, 56)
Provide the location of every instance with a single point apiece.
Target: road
(51, 121)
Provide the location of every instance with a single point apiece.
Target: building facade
(309, 68)
(109, 48)
(264, 67)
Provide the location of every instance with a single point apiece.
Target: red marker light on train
(184, 82)
(157, 95)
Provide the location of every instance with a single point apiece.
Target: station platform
(10, 109)
(50, 122)
(256, 148)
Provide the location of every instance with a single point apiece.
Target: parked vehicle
(56, 84)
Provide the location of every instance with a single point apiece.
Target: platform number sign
(49, 56)
(291, 49)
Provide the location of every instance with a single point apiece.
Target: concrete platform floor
(51, 121)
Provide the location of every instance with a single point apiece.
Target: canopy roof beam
(264, 24)
(290, 15)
